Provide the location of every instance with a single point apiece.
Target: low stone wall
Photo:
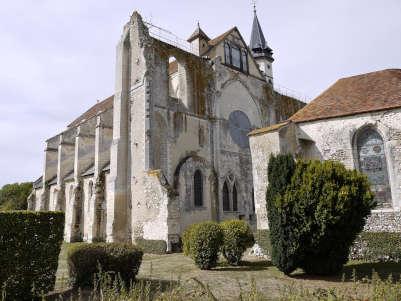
(385, 221)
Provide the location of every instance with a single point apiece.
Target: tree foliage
(317, 216)
(280, 171)
(14, 196)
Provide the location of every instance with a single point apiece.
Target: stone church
(356, 121)
(171, 146)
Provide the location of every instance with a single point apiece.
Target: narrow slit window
(226, 198)
(235, 198)
(227, 54)
(198, 189)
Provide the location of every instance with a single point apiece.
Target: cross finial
(198, 24)
(254, 6)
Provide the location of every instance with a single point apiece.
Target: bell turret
(262, 53)
(199, 41)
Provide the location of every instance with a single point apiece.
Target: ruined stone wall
(286, 106)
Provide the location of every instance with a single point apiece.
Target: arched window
(235, 198)
(173, 76)
(226, 198)
(372, 162)
(198, 189)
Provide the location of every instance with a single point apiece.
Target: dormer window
(236, 57)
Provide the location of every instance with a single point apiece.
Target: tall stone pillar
(65, 165)
(83, 158)
(103, 137)
(49, 171)
(118, 204)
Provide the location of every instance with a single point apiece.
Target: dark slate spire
(198, 33)
(258, 43)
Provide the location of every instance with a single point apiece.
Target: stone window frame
(184, 176)
(243, 57)
(198, 203)
(231, 181)
(355, 157)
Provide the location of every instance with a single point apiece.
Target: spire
(258, 43)
(198, 33)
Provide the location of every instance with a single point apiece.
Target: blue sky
(57, 56)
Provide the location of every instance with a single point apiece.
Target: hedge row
(203, 241)
(30, 244)
(377, 247)
(87, 260)
(152, 246)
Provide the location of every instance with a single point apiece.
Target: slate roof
(94, 110)
(89, 172)
(221, 37)
(375, 91)
(38, 183)
(198, 33)
(258, 42)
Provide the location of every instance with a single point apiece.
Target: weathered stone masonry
(156, 157)
(356, 122)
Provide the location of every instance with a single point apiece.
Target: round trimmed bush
(85, 260)
(186, 240)
(237, 238)
(202, 242)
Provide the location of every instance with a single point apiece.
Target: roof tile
(358, 94)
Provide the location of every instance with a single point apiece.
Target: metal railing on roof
(168, 37)
(291, 93)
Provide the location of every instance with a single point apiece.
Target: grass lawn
(226, 282)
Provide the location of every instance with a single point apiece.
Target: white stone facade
(333, 139)
(127, 171)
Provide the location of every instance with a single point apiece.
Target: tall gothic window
(236, 57)
(226, 197)
(235, 198)
(372, 162)
(198, 189)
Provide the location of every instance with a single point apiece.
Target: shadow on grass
(152, 287)
(245, 266)
(357, 270)
(365, 270)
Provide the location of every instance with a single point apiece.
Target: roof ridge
(370, 73)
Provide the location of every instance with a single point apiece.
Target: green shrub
(377, 247)
(237, 238)
(202, 242)
(14, 196)
(280, 171)
(152, 246)
(30, 244)
(322, 212)
(187, 239)
(86, 260)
